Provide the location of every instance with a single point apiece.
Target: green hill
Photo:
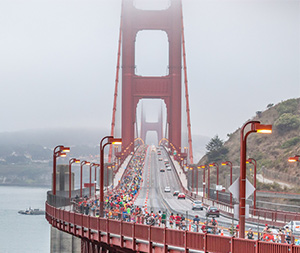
(271, 151)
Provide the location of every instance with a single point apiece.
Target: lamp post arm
(242, 197)
(101, 177)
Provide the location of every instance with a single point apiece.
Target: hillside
(271, 151)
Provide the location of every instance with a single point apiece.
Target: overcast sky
(58, 61)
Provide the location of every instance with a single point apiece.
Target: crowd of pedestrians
(119, 204)
(271, 234)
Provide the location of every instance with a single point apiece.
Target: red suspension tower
(136, 87)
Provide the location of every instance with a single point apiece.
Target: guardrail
(261, 215)
(143, 238)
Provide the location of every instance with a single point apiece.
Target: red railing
(102, 229)
(277, 217)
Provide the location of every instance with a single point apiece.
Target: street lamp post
(230, 165)
(255, 127)
(217, 166)
(203, 180)
(110, 140)
(197, 179)
(59, 151)
(81, 165)
(108, 168)
(193, 183)
(253, 161)
(96, 165)
(71, 161)
(208, 182)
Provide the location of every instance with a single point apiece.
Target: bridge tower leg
(166, 87)
(151, 126)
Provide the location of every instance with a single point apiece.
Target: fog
(58, 61)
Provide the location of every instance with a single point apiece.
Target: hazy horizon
(58, 61)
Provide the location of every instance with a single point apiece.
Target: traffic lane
(155, 200)
(169, 178)
(159, 180)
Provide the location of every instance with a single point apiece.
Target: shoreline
(26, 185)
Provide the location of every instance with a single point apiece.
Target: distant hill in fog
(199, 143)
(52, 137)
(26, 156)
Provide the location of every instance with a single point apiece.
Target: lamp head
(65, 149)
(115, 141)
(260, 128)
(294, 159)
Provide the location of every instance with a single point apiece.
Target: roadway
(153, 196)
(152, 192)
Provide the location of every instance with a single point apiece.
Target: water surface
(23, 233)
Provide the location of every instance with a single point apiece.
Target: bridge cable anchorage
(186, 92)
(116, 89)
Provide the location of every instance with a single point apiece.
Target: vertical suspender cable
(113, 121)
(186, 93)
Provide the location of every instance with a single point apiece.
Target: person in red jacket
(171, 220)
(177, 220)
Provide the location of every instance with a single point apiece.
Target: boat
(31, 211)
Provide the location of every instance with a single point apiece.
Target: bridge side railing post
(149, 240)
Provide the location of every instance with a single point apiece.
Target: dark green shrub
(216, 150)
(289, 106)
(287, 122)
(291, 142)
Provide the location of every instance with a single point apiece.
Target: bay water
(23, 233)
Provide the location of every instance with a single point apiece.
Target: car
(160, 159)
(175, 193)
(197, 204)
(181, 196)
(294, 226)
(212, 211)
(162, 170)
(167, 189)
(169, 168)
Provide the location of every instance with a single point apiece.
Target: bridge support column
(63, 242)
(166, 87)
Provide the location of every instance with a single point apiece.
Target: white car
(294, 226)
(197, 204)
(167, 189)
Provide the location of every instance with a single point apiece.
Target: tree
(216, 150)
(287, 122)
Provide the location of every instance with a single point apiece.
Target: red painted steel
(175, 237)
(195, 241)
(141, 232)
(94, 223)
(158, 234)
(186, 93)
(136, 87)
(218, 244)
(151, 126)
(274, 247)
(114, 226)
(113, 121)
(82, 226)
(244, 245)
(127, 229)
